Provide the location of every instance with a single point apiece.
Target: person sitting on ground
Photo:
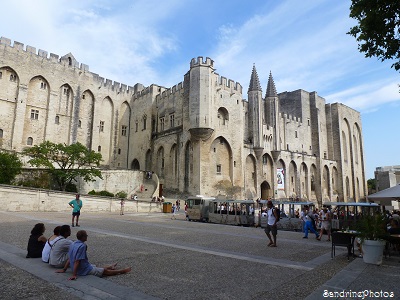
(49, 244)
(36, 241)
(59, 251)
(79, 262)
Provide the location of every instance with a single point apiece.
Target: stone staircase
(148, 188)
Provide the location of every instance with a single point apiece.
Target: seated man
(59, 250)
(80, 264)
(394, 227)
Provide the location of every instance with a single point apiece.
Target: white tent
(386, 197)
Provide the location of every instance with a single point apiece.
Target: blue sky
(303, 43)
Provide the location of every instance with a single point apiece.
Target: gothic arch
(292, 180)
(147, 163)
(223, 116)
(9, 86)
(325, 185)
(37, 103)
(84, 123)
(160, 162)
(250, 177)
(61, 112)
(135, 165)
(304, 181)
(266, 190)
(173, 162)
(221, 160)
(105, 125)
(188, 165)
(123, 128)
(281, 179)
(313, 181)
(268, 172)
(335, 181)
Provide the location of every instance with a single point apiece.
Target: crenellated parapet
(228, 85)
(290, 119)
(67, 60)
(200, 62)
(176, 90)
(141, 91)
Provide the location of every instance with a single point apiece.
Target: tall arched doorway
(266, 191)
(135, 165)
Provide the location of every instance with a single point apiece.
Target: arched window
(57, 120)
(223, 115)
(144, 122)
(69, 61)
(1, 133)
(29, 142)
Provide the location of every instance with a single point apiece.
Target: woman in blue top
(76, 204)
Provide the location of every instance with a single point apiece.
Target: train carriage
(232, 212)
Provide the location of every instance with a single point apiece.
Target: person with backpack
(273, 218)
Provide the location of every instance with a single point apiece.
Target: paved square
(177, 259)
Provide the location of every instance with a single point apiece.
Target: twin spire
(255, 84)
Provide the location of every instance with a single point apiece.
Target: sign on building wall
(280, 178)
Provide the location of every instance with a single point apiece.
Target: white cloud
(367, 97)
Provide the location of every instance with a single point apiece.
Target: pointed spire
(254, 81)
(271, 90)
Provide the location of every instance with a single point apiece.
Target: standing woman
(36, 241)
(76, 204)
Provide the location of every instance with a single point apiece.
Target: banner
(280, 177)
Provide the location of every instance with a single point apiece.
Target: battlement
(140, 90)
(200, 62)
(228, 84)
(41, 53)
(176, 89)
(69, 61)
(289, 119)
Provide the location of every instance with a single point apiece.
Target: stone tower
(256, 113)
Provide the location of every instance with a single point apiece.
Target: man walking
(76, 204)
(80, 264)
(271, 227)
(308, 219)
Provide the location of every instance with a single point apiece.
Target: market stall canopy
(386, 197)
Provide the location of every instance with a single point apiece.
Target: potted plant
(372, 231)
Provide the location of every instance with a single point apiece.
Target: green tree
(371, 183)
(10, 167)
(65, 162)
(378, 29)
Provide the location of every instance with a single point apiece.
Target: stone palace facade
(200, 136)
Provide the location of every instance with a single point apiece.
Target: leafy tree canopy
(65, 162)
(371, 184)
(378, 29)
(10, 167)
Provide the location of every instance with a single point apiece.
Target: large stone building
(387, 177)
(199, 136)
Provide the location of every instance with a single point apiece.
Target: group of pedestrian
(316, 221)
(311, 219)
(63, 253)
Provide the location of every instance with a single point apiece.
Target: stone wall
(25, 199)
